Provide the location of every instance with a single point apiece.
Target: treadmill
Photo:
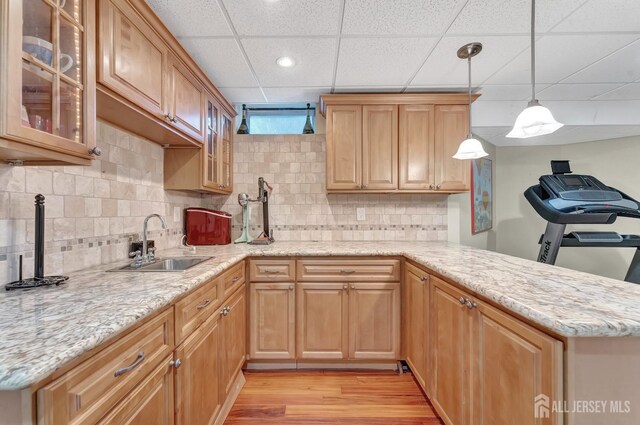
(564, 198)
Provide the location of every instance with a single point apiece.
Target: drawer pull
(204, 304)
(235, 278)
(347, 271)
(267, 271)
(175, 363)
(133, 365)
(291, 287)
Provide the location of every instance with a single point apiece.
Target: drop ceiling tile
(510, 16)
(222, 60)
(295, 94)
(314, 59)
(626, 92)
(441, 88)
(444, 67)
(400, 17)
(369, 89)
(380, 61)
(508, 91)
(243, 94)
(558, 56)
(284, 17)
(603, 15)
(574, 91)
(192, 17)
(623, 66)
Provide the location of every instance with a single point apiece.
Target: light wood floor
(328, 397)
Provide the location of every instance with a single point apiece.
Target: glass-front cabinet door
(49, 78)
(212, 146)
(226, 154)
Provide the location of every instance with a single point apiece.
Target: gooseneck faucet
(145, 249)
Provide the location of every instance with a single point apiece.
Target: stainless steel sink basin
(176, 264)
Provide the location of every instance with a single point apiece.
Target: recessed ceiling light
(285, 62)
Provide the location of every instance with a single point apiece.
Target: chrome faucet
(146, 256)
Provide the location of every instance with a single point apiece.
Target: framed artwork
(481, 195)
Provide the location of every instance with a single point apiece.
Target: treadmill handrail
(554, 216)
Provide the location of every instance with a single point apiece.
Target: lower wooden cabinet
(150, 403)
(374, 321)
(515, 362)
(198, 395)
(487, 367)
(450, 353)
(234, 337)
(322, 315)
(416, 310)
(272, 321)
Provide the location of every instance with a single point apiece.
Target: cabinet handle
(364, 186)
(169, 117)
(235, 278)
(204, 304)
(438, 187)
(132, 366)
(462, 300)
(267, 271)
(353, 286)
(175, 363)
(423, 278)
(471, 304)
(343, 271)
(431, 186)
(345, 286)
(291, 287)
(95, 151)
(225, 311)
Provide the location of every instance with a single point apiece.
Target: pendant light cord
(533, 50)
(469, 62)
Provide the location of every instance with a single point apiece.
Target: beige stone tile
(74, 206)
(39, 181)
(84, 186)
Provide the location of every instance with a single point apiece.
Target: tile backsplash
(300, 208)
(92, 213)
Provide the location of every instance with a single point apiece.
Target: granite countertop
(45, 328)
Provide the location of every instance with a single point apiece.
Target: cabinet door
(344, 147)
(226, 153)
(450, 323)
(416, 134)
(513, 362)
(374, 321)
(322, 314)
(452, 127)
(132, 57)
(380, 147)
(198, 398)
(417, 322)
(151, 402)
(186, 99)
(234, 336)
(211, 151)
(272, 323)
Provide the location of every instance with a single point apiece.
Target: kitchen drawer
(272, 270)
(194, 309)
(349, 270)
(90, 390)
(233, 278)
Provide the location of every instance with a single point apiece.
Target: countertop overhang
(45, 328)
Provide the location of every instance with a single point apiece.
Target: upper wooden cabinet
(385, 143)
(185, 99)
(147, 83)
(47, 82)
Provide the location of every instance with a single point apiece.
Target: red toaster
(207, 227)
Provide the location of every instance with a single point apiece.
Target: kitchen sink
(176, 264)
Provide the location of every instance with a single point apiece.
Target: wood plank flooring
(331, 397)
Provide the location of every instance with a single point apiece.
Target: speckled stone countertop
(45, 328)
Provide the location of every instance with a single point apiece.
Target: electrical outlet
(176, 214)
(360, 214)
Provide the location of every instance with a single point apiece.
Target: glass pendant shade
(535, 120)
(470, 149)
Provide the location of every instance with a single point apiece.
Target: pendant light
(535, 120)
(470, 148)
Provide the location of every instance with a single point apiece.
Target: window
(278, 120)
